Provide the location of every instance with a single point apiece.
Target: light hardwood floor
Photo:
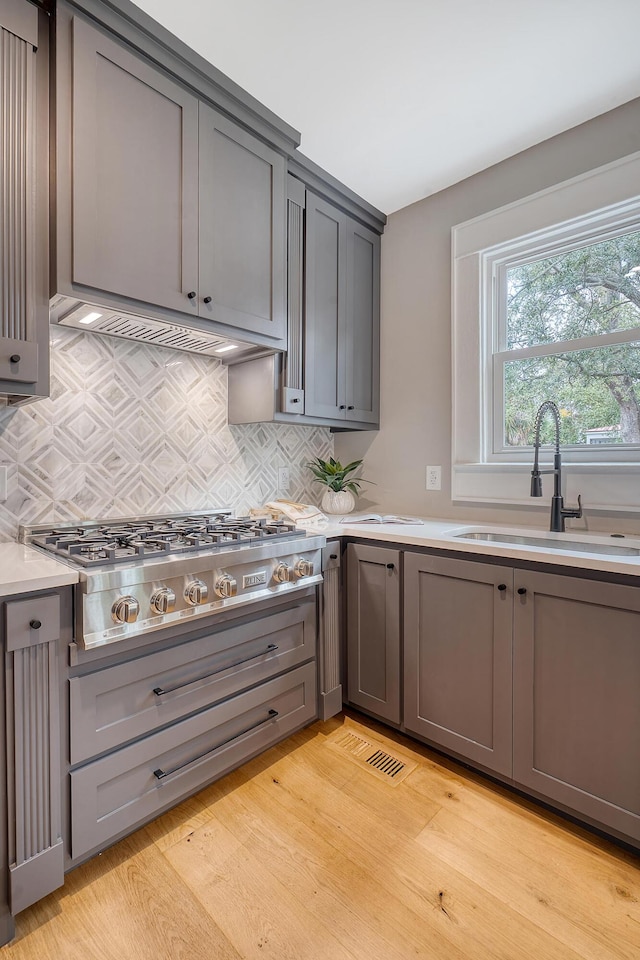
(304, 855)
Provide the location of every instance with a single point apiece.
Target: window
(546, 306)
(567, 328)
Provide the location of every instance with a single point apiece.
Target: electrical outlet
(284, 479)
(434, 477)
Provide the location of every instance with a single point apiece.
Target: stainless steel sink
(579, 546)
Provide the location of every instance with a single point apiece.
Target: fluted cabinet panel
(33, 754)
(18, 356)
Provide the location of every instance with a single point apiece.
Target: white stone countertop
(25, 570)
(441, 535)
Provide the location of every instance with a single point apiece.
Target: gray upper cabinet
(163, 204)
(135, 175)
(457, 657)
(576, 704)
(362, 349)
(242, 228)
(325, 310)
(342, 316)
(23, 202)
(331, 372)
(373, 630)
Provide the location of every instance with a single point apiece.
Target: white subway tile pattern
(131, 428)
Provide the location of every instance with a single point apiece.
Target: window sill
(604, 487)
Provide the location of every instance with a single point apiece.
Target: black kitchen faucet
(558, 511)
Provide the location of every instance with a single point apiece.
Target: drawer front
(119, 704)
(32, 622)
(117, 793)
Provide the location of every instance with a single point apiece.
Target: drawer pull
(161, 774)
(161, 692)
(35, 624)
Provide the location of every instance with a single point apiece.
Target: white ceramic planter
(341, 501)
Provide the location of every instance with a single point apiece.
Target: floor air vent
(371, 756)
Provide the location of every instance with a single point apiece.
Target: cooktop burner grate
(122, 541)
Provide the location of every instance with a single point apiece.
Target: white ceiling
(401, 98)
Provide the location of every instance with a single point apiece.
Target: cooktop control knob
(163, 600)
(195, 592)
(225, 586)
(304, 568)
(282, 573)
(125, 610)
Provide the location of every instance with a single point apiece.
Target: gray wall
(416, 322)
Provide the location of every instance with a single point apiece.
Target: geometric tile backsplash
(131, 429)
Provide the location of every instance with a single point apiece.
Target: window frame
(595, 206)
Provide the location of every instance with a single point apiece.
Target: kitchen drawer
(32, 622)
(113, 795)
(118, 704)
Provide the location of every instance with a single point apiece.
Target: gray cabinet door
(576, 702)
(325, 310)
(135, 176)
(457, 657)
(242, 229)
(362, 347)
(373, 630)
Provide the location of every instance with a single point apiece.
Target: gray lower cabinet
(33, 764)
(576, 703)
(373, 630)
(112, 706)
(457, 657)
(342, 316)
(162, 203)
(110, 796)
(24, 318)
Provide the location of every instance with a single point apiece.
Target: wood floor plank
(327, 883)
(575, 910)
(127, 904)
(256, 912)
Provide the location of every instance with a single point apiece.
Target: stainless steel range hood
(94, 318)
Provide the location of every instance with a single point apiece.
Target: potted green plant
(340, 483)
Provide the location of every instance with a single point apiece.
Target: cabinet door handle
(391, 566)
(161, 774)
(35, 624)
(206, 299)
(333, 556)
(351, 407)
(522, 591)
(342, 406)
(192, 294)
(15, 358)
(502, 586)
(161, 692)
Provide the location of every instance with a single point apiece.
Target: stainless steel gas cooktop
(143, 574)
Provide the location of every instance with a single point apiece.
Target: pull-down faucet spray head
(536, 476)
